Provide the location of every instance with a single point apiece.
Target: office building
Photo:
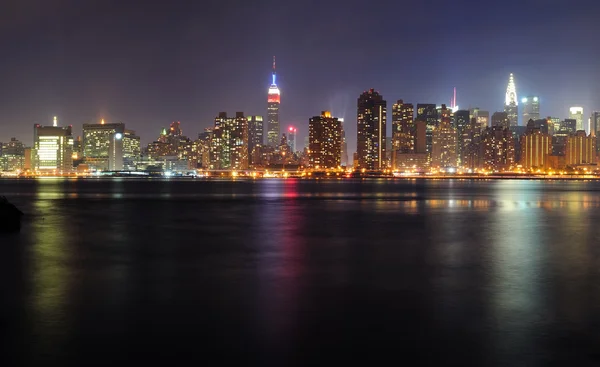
(325, 141)
(581, 149)
(103, 145)
(483, 119)
(497, 149)
(531, 108)
(255, 137)
(371, 131)
(403, 130)
(291, 138)
(427, 112)
(12, 156)
(535, 148)
(500, 119)
(462, 123)
(229, 143)
(52, 148)
(443, 154)
(421, 137)
(131, 150)
(273, 101)
(511, 104)
(344, 148)
(576, 113)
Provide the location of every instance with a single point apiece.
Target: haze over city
(147, 64)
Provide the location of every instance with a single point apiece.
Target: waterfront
(298, 272)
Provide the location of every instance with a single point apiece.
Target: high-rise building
(483, 119)
(555, 121)
(52, 148)
(291, 138)
(462, 123)
(273, 101)
(511, 104)
(403, 130)
(576, 113)
(501, 119)
(229, 144)
(443, 153)
(256, 137)
(595, 123)
(12, 156)
(531, 108)
(569, 126)
(325, 141)
(497, 149)
(420, 137)
(427, 112)
(345, 161)
(535, 148)
(581, 149)
(371, 130)
(131, 150)
(103, 145)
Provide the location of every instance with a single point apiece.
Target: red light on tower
(291, 129)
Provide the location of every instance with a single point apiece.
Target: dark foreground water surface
(301, 273)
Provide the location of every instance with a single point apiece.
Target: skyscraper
(511, 104)
(595, 123)
(443, 152)
(103, 145)
(427, 112)
(371, 130)
(501, 119)
(462, 123)
(325, 141)
(131, 149)
(531, 108)
(229, 144)
(497, 149)
(255, 137)
(52, 148)
(576, 113)
(273, 100)
(292, 138)
(344, 144)
(403, 130)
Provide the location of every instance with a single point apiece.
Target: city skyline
(84, 71)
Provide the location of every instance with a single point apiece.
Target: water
(296, 273)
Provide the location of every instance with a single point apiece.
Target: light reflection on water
(308, 269)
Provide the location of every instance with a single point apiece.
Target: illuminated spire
(55, 123)
(102, 122)
(511, 92)
(274, 74)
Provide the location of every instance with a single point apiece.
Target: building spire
(274, 75)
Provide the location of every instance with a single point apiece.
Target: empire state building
(273, 99)
(511, 105)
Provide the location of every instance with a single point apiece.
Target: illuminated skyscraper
(344, 144)
(595, 123)
(462, 123)
(427, 112)
(443, 154)
(255, 138)
(103, 146)
(371, 131)
(576, 113)
(511, 104)
(273, 100)
(52, 148)
(131, 149)
(325, 141)
(229, 143)
(497, 149)
(403, 130)
(292, 138)
(531, 108)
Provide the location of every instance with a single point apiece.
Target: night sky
(147, 63)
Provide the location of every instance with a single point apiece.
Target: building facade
(444, 154)
(52, 148)
(581, 149)
(427, 112)
(497, 149)
(531, 108)
(576, 113)
(325, 141)
(256, 138)
(536, 147)
(229, 143)
(371, 131)
(403, 130)
(103, 146)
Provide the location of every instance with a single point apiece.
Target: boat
(10, 216)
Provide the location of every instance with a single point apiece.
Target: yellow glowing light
(102, 122)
